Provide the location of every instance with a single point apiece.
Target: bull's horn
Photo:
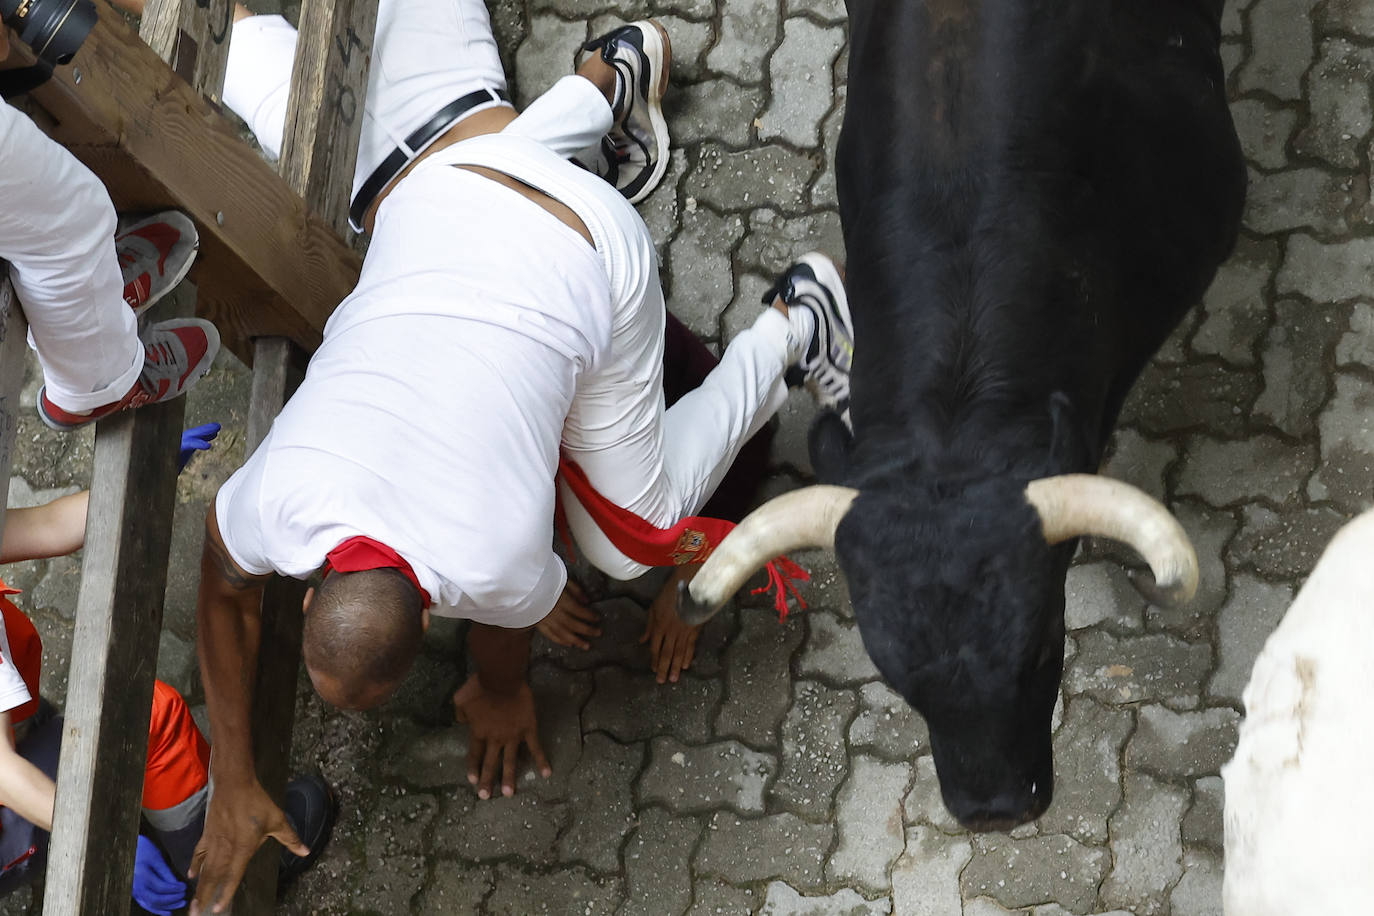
(1072, 505)
(802, 518)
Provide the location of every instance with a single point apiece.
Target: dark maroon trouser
(686, 363)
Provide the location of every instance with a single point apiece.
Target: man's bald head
(362, 633)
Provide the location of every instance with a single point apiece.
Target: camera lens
(54, 29)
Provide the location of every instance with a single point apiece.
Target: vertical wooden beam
(12, 359)
(193, 37)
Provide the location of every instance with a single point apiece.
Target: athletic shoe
(634, 155)
(155, 253)
(814, 284)
(176, 354)
(309, 809)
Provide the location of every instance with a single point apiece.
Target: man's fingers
(576, 591)
(541, 763)
(512, 751)
(288, 838)
(476, 747)
(582, 612)
(490, 761)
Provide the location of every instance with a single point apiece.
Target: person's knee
(363, 631)
(615, 564)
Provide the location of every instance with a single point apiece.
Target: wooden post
(12, 354)
(193, 38)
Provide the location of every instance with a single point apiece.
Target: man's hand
(236, 824)
(571, 619)
(498, 724)
(672, 643)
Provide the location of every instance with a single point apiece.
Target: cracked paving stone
(823, 193)
(868, 817)
(1198, 892)
(834, 650)
(1203, 396)
(781, 846)
(689, 39)
(1326, 271)
(1245, 622)
(1138, 461)
(1298, 199)
(756, 674)
(396, 855)
(829, 10)
(1101, 591)
(1347, 443)
(703, 283)
(705, 778)
(457, 889)
(1264, 131)
(658, 881)
(923, 803)
(1147, 853)
(546, 54)
(925, 880)
(1087, 772)
(433, 758)
(1341, 104)
(734, 181)
(1174, 744)
(794, 419)
(747, 30)
(1202, 825)
(1023, 872)
(785, 901)
(559, 696)
(1137, 668)
(716, 898)
(1356, 346)
(700, 111)
(1355, 16)
(1224, 473)
(1280, 54)
(775, 241)
(1285, 544)
(1235, 307)
(827, 589)
(622, 623)
(800, 75)
(634, 707)
(887, 725)
(601, 803)
(1296, 378)
(523, 826)
(564, 892)
(661, 211)
(814, 759)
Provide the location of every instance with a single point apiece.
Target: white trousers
(57, 229)
(660, 464)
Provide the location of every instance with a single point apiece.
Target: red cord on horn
(782, 572)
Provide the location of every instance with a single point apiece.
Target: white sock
(801, 327)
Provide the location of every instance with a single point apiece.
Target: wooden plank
(13, 355)
(256, 232)
(193, 37)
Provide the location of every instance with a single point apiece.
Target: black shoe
(309, 808)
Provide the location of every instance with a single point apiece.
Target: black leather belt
(398, 158)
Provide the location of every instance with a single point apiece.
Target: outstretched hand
(672, 643)
(237, 822)
(571, 622)
(195, 439)
(498, 725)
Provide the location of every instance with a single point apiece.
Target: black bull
(1033, 193)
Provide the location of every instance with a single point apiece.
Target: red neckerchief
(689, 541)
(358, 554)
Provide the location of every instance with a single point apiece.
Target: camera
(54, 29)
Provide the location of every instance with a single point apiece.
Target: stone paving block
(457, 889)
(1138, 461)
(827, 589)
(1202, 825)
(1173, 744)
(1245, 622)
(524, 827)
(827, 10)
(1280, 54)
(711, 897)
(781, 846)
(559, 697)
(887, 725)
(1342, 104)
(601, 803)
(823, 192)
(1024, 872)
(657, 877)
(1147, 854)
(800, 76)
(431, 758)
(633, 707)
(1206, 397)
(563, 892)
(1264, 130)
(785, 901)
(1326, 271)
(1347, 443)
(923, 803)
(1101, 591)
(834, 651)
(868, 816)
(925, 880)
(1349, 16)
(1263, 466)
(622, 623)
(1356, 346)
(748, 30)
(546, 55)
(700, 111)
(1087, 772)
(1296, 379)
(662, 211)
(1137, 668)
(1235, 308)
(813, 753)
(1284, 544)
(776, 240)
(1198, 892)
(769, 175)
(1307, 198)
(704, 778)
(396, 855)
(756, 667)
(794, 420)
(700, 260)
(689, 38)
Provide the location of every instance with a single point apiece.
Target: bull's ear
(829, 445)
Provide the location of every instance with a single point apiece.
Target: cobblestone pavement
(781, 776)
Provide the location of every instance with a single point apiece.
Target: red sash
(691, 540)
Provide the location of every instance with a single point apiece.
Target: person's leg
(23, 846)
(176, 778)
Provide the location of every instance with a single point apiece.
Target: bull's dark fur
(1033, 194)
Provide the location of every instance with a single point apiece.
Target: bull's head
(959, 596)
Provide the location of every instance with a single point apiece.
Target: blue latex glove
(156, 887)
(195, 439)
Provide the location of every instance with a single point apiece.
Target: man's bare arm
(498, 707)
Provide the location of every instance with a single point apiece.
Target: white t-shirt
(13, 691)
(430, 417)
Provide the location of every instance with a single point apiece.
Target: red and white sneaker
(155, 252)
(176, 354)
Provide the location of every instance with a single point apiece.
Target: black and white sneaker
(634, 155)
(814, 284)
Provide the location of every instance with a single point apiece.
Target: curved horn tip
(691, 611)
(1172, 594)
